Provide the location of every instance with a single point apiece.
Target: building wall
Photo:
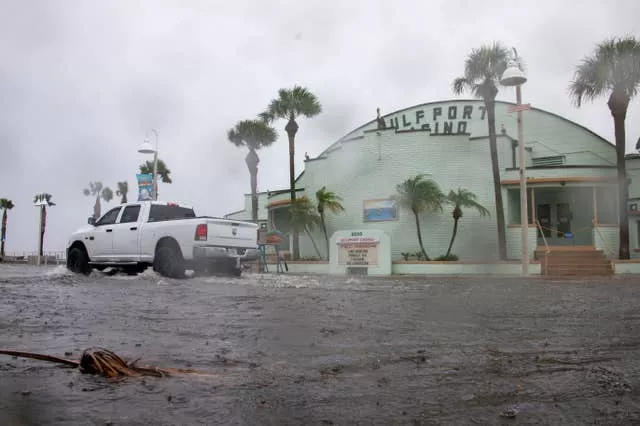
(368, 164)
(245, 213)
(371, 163)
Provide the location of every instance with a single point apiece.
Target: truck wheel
(168, 262)
(236, 272)
(78, 261)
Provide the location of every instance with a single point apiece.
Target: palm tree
(483, 69)
(289, 105)
(327, 201)
(163, 171)
(302, 214)
(123, 189)
(5, 204)
(613, 70)
(419, 195)
(38, 198)
(254, 134)
(459, 199)
(97, 190)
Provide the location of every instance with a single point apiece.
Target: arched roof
(362, 127)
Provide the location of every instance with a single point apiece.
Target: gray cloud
(81, 83)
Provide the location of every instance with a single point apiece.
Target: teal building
(571, 175)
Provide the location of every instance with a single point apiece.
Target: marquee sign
(358, 251)
(438, 119)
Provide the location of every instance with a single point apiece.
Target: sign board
(517, 108)
(380, 210)
(360, 251)
(145, 186)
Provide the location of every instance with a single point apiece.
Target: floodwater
(291, 349)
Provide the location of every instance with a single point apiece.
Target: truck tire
(235, 271)
(78, 261)
(168, 262)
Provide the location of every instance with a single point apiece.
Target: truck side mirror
(91, 220)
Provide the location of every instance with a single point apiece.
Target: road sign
(516, 108)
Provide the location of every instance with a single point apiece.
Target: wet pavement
(291, 349)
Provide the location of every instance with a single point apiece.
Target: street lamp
(514, 76)
(147, 148)
(39, 202)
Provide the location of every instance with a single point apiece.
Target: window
(130, 214)
(109, 217)
(159, 213)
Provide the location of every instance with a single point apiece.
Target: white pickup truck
(167, 236)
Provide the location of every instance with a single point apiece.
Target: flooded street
(291, 349)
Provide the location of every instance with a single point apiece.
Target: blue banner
(145, 186)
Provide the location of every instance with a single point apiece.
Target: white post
(524, 216)
(155, 173)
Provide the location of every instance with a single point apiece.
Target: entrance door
(564, 216)
(543, 213)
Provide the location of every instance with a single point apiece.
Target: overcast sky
(82, 81)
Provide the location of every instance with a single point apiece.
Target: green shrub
(450, 258)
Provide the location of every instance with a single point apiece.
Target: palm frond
(292, 103)
(6, 204)
(614, 66)
(419, 194)
(254, 134)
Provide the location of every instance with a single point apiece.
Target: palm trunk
(424, 253)
(3, 232)
(97, 208)
(291, 128)
(43, 226)
(315, 246)
(253, 172)
(324, 231)
(453, 236)
(497, 187)
(124, 198)
(618, 106)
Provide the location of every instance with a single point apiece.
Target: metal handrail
(546, 246)
(604, 241)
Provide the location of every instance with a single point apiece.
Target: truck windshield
(159, 213)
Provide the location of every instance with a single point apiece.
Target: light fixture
(513, 75)
(146, 147)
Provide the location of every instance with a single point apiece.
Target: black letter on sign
(437, 129)
(484, 112)
(448, 127)
(426, 127)
(452, 113)
(405, 123)
(419, 115)
(462, 127)
(436, 112)
(466, 112)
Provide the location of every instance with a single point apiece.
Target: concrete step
(582, 270)
(570, 253)
(577, 261)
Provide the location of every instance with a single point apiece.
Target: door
(563, 216)
(125, 235)
(101, 247)
(543, 213)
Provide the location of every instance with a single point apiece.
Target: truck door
(125, 235)
(101, 247)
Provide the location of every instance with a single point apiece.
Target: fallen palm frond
(105, 363)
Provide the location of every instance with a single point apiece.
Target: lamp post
(147, 148)
(514, 76)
